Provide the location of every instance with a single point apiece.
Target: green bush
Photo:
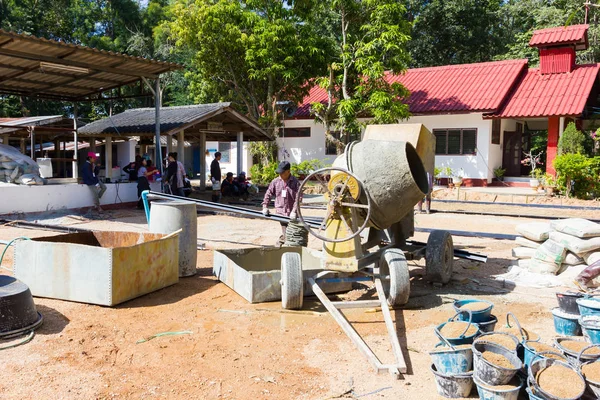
(573, 141)
(306, 167)
(263, 174)
(583, 171)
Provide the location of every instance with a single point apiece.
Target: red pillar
(551, 151)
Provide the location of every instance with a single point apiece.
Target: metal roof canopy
(36, 67)
(20, 126)
(219, 121)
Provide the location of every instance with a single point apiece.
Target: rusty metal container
(104, 268)
(255, 273)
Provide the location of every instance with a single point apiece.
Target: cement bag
(576, 245)
(582, 228)
(569, 274)
(551, 252)
(537, 231)
(542, 267)
(523, 252)
(524, 242)
(591, 257)
(573, 259)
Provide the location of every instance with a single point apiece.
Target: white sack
(537, 231)
(582, 228)
(551, 252)
(524, 242)
(576, 245)
(523, 252)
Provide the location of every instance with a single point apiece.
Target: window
(225, 149)
(455, 141)
(496, 131)
(330, 147)
(295, 132)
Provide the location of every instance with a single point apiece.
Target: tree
(253, 52)
(455, 32)
(573, 141)
(369, 40)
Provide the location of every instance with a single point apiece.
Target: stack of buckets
(459, 362)
(576, 314)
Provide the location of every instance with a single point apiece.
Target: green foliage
(306, 167)
(573, 141)
(436, 172)
(367, 38)
(499, 172)
(263, 174)
(456, 32)
(581, 170)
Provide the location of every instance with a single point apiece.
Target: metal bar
(349, 279)
(346, 326)
(157, 105)
(389, 324)
(459, 253)
(340, 305)
(523, 205)
(223, 207)
(499, 236)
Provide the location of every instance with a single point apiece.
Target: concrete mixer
(369, 194)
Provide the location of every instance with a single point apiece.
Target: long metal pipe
(147, 195)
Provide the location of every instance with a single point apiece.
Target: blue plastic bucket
(566, 324)
(532, 396)
(488, 392)
(588, 306)
(462, 338)
(453, 361)
(479, 315)
(529, 352)
(590, 324)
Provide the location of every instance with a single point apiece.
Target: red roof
(574, 34)
(447, 89)
(548, 95)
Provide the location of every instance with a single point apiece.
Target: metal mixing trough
(105, 268)
(369, 194)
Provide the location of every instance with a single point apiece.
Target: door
(511, 155)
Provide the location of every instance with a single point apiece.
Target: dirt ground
(239, 350)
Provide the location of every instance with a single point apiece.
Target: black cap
(283, 166)
(230, 174)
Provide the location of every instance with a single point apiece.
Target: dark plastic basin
(17, 310)
(567, 301)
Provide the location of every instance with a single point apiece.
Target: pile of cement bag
(563, 246)
(17, 168)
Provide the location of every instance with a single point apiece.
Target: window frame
(496, 131)
(286, 131)
(446, 131)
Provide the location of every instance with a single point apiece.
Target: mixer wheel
(439, 257)
(292, 281)
(397, 288)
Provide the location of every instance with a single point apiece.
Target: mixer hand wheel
(347, 204)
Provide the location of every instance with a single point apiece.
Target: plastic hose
(6, 248)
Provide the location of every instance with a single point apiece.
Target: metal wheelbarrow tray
(104, 268)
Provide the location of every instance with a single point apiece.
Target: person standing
(175, 175)
(142, 181)
(89, 174)
(285, 189)
(132, 167)
(215, 177)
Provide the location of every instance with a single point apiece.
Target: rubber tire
(397, 289)
(292, 281)
(439, 257)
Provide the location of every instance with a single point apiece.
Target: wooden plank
(356, 304)
(346, 326)
(389, 323)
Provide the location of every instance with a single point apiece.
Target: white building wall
(26, 199)
(478, 166)
(231, 165)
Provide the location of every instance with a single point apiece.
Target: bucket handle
(462, 335)
(444, 340)
(583, 351)
(510, 314)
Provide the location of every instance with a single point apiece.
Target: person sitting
(242, 184)
(228, 187)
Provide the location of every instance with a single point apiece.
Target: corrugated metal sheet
(557, 60)
(574, 34)
(446, 89)
(540, 95)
